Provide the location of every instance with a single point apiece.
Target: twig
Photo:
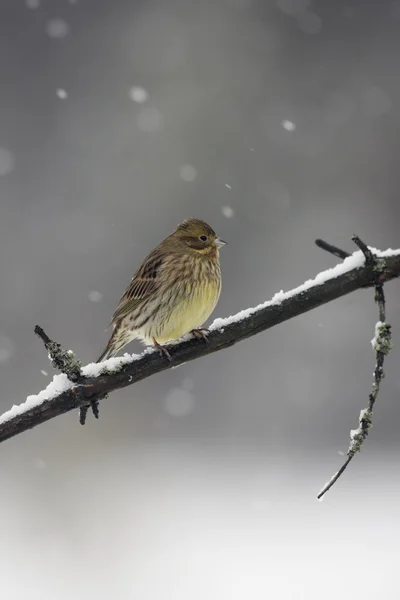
(65, 361)
(380, 300)
(369, 257)
(89, 389)
(332, 249)
(95, 408)
(382, 344)
(83, 413)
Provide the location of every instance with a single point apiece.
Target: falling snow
(95, 296)
(62, 94)
(288, 125)
(228, 212)
(57, 28)
(138, 94)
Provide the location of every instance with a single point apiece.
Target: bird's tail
(108, 353)
(120, 338)
(114, 344)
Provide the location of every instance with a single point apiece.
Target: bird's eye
(203, 238)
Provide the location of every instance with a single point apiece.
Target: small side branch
(369, 257)
(62, 360)
(332, 249)
(66, 362)
(382, 344)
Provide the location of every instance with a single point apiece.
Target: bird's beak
(219, 243)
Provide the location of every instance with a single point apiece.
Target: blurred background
(277, 121)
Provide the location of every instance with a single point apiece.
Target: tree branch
(92, 383)
(382, 344)
(332, 249)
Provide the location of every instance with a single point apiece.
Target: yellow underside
(189, 314)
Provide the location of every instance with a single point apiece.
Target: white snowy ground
(180, 521)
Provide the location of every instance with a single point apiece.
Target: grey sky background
(277, 121)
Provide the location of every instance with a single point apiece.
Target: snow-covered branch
(86, 386)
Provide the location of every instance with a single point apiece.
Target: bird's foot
(200, 333)
(163, 351)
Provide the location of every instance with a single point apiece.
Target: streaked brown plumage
(174, 291)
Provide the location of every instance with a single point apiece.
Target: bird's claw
(200, 333)
(163, 351)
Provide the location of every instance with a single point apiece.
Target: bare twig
(369, 257)
(83, 411)
(66, 362)
(89, 390)
(63, 360)
(332, 249)
(382, 344)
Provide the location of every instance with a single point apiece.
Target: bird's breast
(189, 306)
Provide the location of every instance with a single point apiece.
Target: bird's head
(199, 236)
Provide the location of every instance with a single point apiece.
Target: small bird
(174, 291)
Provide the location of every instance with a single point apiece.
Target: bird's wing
(145, 282)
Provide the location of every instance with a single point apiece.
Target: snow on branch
(82, 388)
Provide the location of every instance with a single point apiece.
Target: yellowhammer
(174, 291)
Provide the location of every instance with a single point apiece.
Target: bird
(173, 292)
